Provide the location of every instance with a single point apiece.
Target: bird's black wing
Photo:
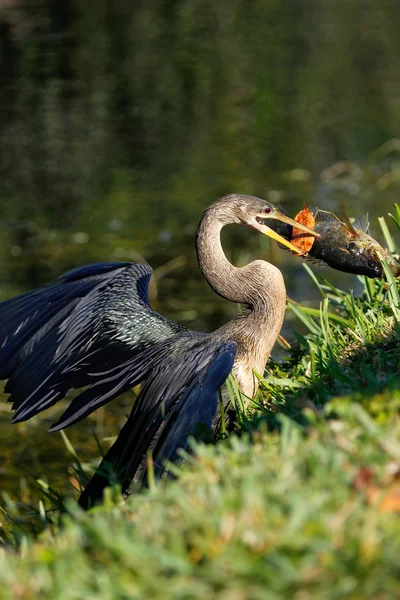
(79, 332)
(178, 399)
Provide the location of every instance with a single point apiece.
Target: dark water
(119, 126)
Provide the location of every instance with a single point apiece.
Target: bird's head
(252, 211)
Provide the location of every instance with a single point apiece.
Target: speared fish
(344, 246)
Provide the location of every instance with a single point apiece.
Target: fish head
(372, 253)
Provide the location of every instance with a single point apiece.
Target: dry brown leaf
(384, 495)
(363, 478)
(391, 501)
(300, 239)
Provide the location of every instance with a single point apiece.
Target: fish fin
(314, 261)
(326, 216)
(323, 215)
(349, 226)
(362, 222)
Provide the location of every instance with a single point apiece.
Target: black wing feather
(80, 331)
(28, 317)
(196, 408)
(180, 393)
(110, 384)
(96, 270)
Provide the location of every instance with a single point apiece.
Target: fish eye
(351, 246)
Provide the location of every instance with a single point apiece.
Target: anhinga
(94, 329)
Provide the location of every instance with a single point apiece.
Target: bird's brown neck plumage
(258, 285)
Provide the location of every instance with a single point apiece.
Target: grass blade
(390, 243)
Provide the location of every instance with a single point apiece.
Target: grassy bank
(302, 503)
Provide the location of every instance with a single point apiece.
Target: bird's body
(94, 329)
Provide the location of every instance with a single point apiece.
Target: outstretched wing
(80, 331)
(178, 399)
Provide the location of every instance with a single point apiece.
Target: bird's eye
(351, 246)
(268, 210)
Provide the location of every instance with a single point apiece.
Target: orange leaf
(300, 239)
(391, 500)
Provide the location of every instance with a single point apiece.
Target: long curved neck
(260, 285)
(219, 273)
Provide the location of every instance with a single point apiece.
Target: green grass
(302, 502)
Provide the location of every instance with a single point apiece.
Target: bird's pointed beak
(262, 228)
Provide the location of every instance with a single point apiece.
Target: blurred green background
(121, 121)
